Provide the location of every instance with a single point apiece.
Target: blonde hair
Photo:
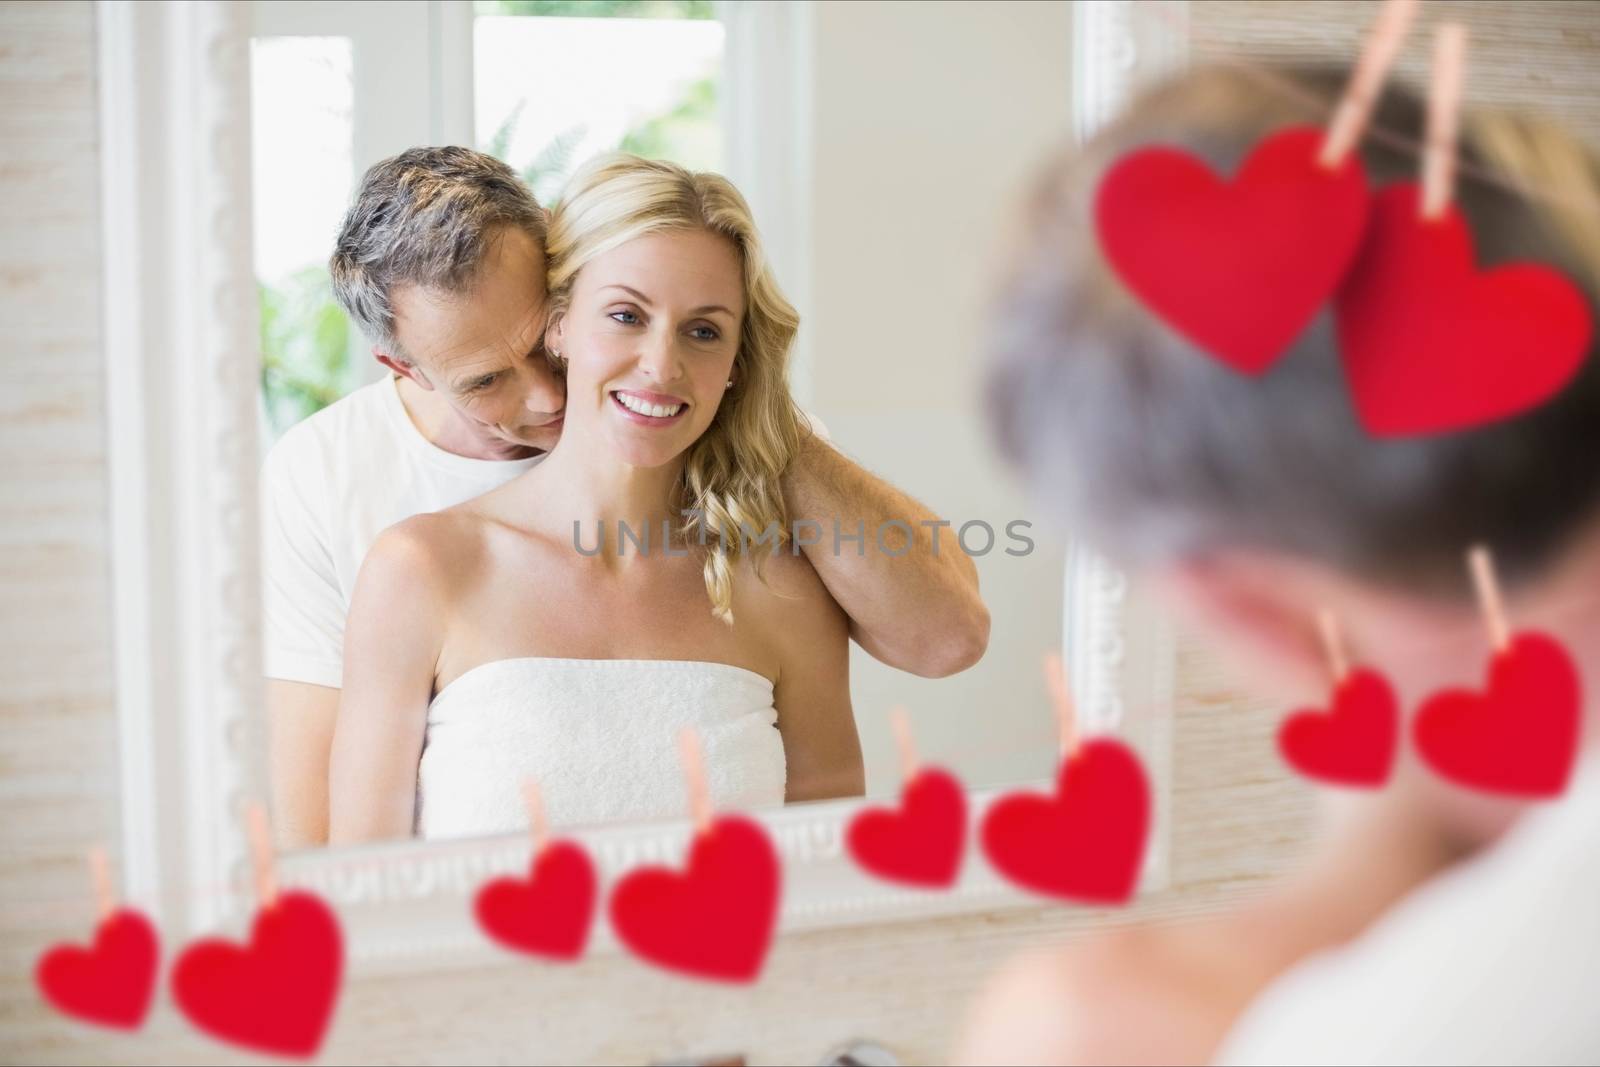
(731, 474)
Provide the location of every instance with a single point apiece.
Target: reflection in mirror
(547, 488)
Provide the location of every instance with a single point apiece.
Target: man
(1432, 921)
(440, 262)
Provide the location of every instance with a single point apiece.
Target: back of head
(426, 217)
(1159, 453)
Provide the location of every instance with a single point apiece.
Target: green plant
(548, 170)
(686, 133)
(304, 347)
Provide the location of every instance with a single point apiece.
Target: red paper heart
(1240, 268)
(549, 912)
(716, 919)
(110, 983)
(277, 993)
(1521, 737)
(1354, 744)
(1086, 842)
(1430, 344)
(921, 842)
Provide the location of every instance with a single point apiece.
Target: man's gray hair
(427, 217)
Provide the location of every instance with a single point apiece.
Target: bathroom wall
(58, 755)
(1238, 817)
(919, 149)
(1540, 54)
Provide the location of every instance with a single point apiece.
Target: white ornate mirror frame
(180, 324)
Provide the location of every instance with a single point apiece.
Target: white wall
(925, 120)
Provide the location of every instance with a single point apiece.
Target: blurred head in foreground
(1255, 502)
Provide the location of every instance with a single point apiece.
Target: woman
(1421, 928)
(523, 636)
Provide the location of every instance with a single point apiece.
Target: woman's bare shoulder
(787, 597)
(432, 552)
(781, 574)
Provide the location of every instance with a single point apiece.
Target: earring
(730, 383)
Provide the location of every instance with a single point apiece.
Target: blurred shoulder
(1139, 994)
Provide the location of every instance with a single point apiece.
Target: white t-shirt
(329, 487)
(1496, 962)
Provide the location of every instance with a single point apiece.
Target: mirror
(887, 268)
(889, 293)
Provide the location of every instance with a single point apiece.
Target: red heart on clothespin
(275, 994)
(1240, 268)
(1520, 737)
(715, 919)
(549, 913)
(1084, 843)
(1431, 344)
(110, 983)
(1353, 743)
(919, 843)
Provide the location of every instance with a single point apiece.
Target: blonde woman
(521, 636)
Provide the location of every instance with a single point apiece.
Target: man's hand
(300, 719)
(919, 611)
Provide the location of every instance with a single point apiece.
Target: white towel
(600, 739)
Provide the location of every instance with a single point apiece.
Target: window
(556, 82)
(301, 114)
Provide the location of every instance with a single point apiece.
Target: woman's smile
(648, 409)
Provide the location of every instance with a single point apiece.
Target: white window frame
(766, 86)
(411, 64)
(411, 72)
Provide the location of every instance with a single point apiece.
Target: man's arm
(300, 719)
(919, 611)
(303, 632)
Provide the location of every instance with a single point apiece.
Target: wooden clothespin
(1361, 94)
(1055, 678)
(1333, 646)
(261, 855)
(1489, 602)
(1444, 119)
(538, 824)
(900, 719)
(694, 773)
(100, 873)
